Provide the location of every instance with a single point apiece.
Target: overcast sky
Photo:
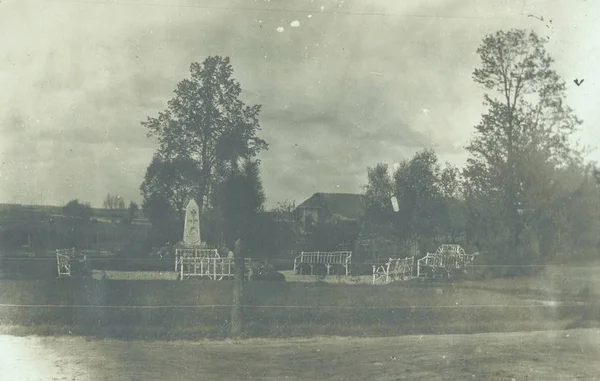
(343, 84)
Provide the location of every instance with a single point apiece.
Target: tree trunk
(237, 318)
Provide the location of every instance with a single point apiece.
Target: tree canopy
(173, 180)
(518, 148)
(78, 210)
(207, 125)
(240, 198)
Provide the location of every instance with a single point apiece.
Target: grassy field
(543, 356)
(167, 309)
(34, 230)
(566, 281)
(545, 327)
(18, 212)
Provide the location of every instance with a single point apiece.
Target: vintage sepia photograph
(299, 190)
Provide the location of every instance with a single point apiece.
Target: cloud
(340, 91)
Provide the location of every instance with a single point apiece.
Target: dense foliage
(207, 147)
(525, 196)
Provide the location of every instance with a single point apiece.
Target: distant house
(320, 206)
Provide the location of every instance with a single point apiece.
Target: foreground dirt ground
(557, 355)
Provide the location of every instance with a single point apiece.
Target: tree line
(525, 195)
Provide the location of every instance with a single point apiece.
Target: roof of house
(346, 205)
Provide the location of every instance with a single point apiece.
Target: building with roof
(323, 206)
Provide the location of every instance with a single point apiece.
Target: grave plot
(342, 259)
(70, 262)
(193, 253)
(395, 269)
(207, 263)
(447, 260)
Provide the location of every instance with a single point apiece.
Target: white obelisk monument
(191, 232)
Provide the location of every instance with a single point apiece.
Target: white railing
(394, 269)
(64, 261)
(212, 267)
(193, 253)
(447, 257)
(448, 249)
(327, 258)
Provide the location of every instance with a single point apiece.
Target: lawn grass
(200, 309)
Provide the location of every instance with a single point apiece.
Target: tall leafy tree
(419, 196)
(207, 124)
(453, 213)
(378, 193)
(430, 206)
(450, 182)
(166, 224)
(240, 199)
(521, 139)
(173, 180)
(284, 231)
(568, 224)
(379, 231)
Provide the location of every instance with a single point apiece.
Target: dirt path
(36, 359)
(563, 355)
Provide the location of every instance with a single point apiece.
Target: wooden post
(237, 318)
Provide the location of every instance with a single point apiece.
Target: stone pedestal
(191, 230)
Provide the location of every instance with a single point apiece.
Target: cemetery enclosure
(195, 262)
(328, 260)
(70, 261)
(448, 259)
(199, 262)
(394, 269)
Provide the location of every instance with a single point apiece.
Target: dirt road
(35, 359)
(562, 355)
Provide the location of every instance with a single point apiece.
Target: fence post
(237, 318)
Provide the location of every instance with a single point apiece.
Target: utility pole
(237, 313)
